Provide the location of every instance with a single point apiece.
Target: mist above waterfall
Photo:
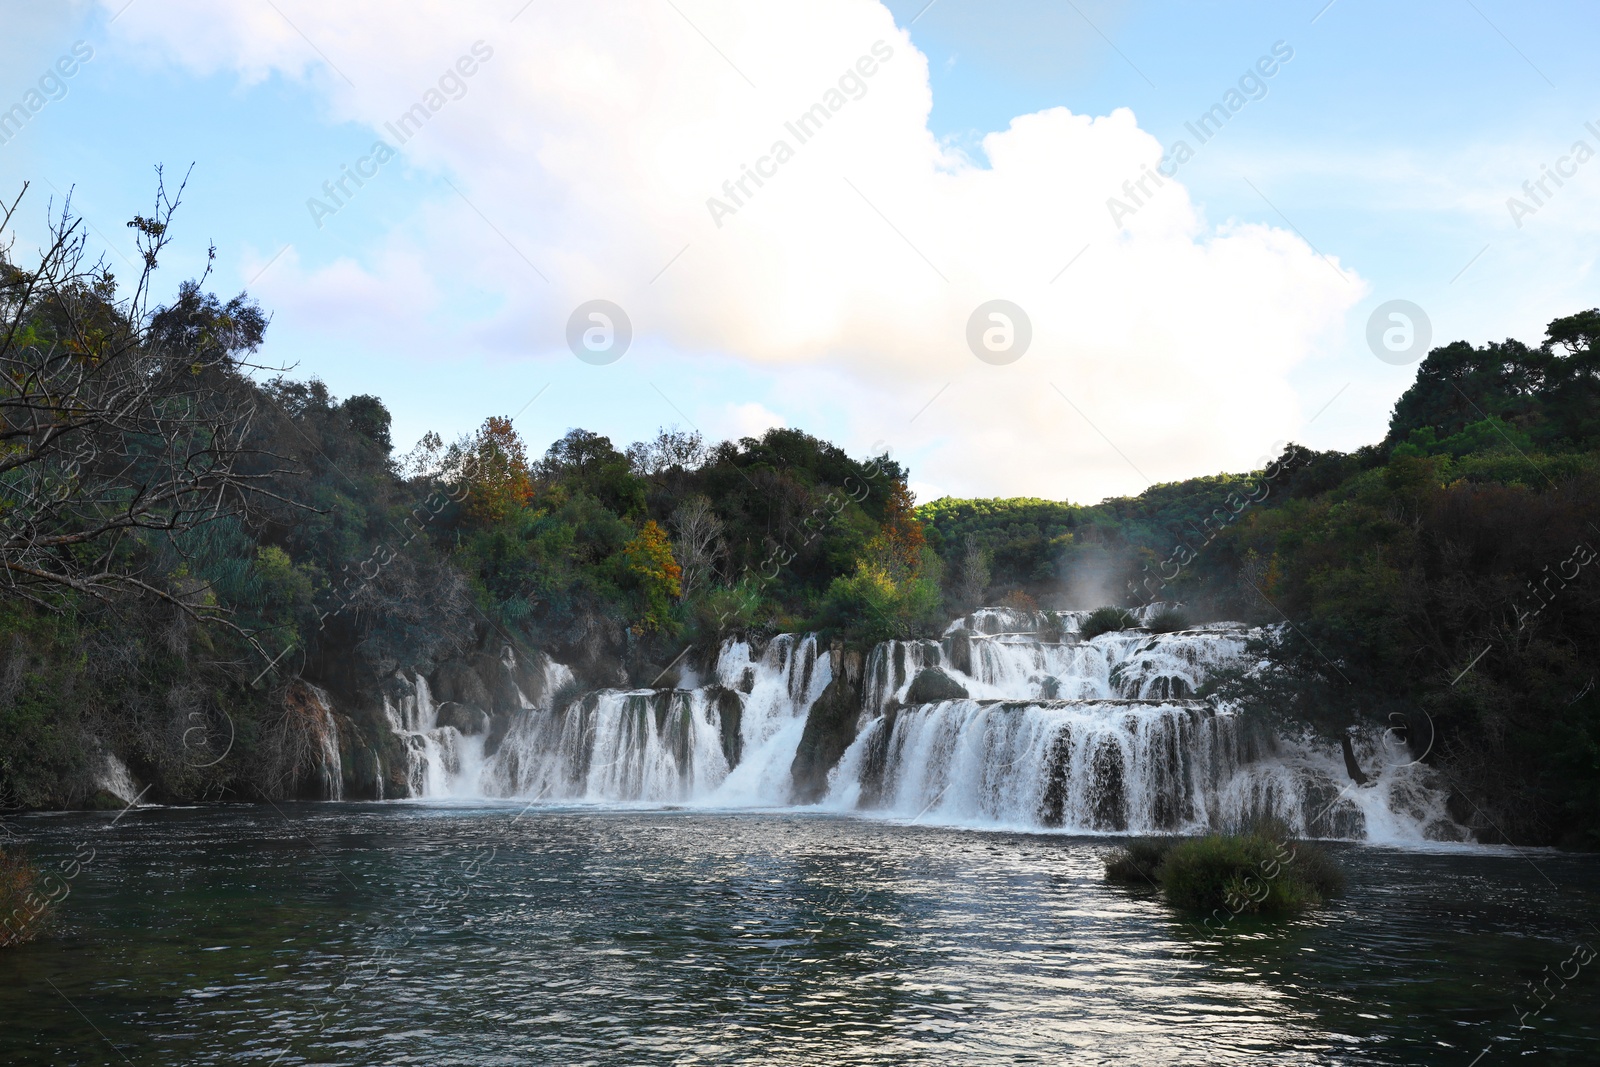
(1094, 578)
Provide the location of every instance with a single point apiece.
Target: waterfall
(615, 745)
(1103, 735)
(435, 756)
(330, 765)
(1010, 719)
(114, 776)
(776, 693)
(729, 742)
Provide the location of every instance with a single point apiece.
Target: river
(490, 932)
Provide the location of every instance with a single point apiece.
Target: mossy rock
(932, 685)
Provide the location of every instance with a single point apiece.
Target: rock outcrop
(830, 727)
(932, 685)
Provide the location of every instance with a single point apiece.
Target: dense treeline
(1440, 584)
(174, 579)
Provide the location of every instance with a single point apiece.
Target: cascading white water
(615, 745)
(778, 690)
(1099, 735)
(442, 761)
(330, 765)
(1055, 731)
(729, 742)
(115, 777)
(435, 754)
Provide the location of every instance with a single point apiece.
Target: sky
(1191, 296)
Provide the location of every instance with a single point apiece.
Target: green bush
(1247, 874)
(1105, 620)
(1139, 863)
(1168, 620)
(1318, 869)
(1258, 870)
(877, 604)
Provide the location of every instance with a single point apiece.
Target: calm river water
(472, 934)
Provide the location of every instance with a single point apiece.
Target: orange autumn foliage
(498, 479)
(648, 559)
(901, 539)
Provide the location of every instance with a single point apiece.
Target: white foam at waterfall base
(441, 762)
(654, 746)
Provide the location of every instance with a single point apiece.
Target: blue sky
(1388, 144)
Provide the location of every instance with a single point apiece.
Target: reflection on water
(350, 933)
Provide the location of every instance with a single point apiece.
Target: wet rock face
(830, 729)
(932, 685)
(596, 649)
(958, 649)
(466, 718)
(730, 712)
(457, 681)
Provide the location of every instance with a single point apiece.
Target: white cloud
(749, 420)
(594, 136)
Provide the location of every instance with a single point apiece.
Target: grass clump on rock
(1104, 620)
(1168, 620)
(1260, 871)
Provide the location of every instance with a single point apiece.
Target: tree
(902, 539)
(648, 560)
(121, 429)
(369, 418)
(588, 462)
(973, 581)
(496, 472)
(699, 545)
(670, 449)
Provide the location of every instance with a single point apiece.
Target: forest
(191, 538)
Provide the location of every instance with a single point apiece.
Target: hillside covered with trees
(191, 540)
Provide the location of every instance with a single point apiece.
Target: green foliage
(647, 561)
(1257, 871)
(1019, 538)
(1489, 435)
(1168, 620)
(495, 472)
(1104, 621)
(1551, 392)
(1250, 873)
(728, 609)
(1139, 862)
(369, 418)
(877, 604)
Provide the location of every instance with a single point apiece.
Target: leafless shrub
(699, 545)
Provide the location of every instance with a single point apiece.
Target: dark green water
(350, 933)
